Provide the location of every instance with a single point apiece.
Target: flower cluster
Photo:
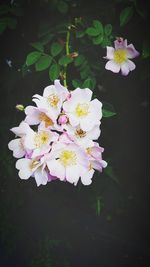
(119, 57)
(63, 146)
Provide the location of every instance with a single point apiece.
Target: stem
(67, 53)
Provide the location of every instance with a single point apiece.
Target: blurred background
(106, 223)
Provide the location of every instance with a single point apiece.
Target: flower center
(46, 119)
(120, 55)
(53, 100)
(41, 139)
(80, 133)
(33, 164)
(68, 158)
(82, 110)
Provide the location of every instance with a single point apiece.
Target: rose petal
(111, 65)
(110, 52)
(132, 52)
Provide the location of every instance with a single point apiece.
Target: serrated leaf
(65, 60)
(43, 63)
(79, 60)
(92, 31)
(106, 42)
(88, 83)
(76, 83)
(39, 46)
(54, 71)
(3, 26)
(98, 40)
(108, 110)
(108, 29)
(32, 57)
(98, 26)
(56, 48)
(62, 6)
(126, 15)
(11, 23)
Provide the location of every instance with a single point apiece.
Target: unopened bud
(74, 54)
(20, 107)
(62, 119)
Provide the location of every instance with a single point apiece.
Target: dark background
(57, 224)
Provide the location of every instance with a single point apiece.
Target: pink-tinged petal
(120, 43)
(51, 178)
(99, 165)
(49, 90)
(111, 65)
(17, 148)
(84, 95)
(131, 65)
(132, 52)
(63, 91)
(86, 178)
(110, 52)
(125, 68)
(73, 120)
(32, 117)
(72, 174)
(56, 169)
(94, 133)
(21, 129)
(24, 170)
(40, 177)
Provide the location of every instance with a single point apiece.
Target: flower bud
(62, 119)
(20, 107)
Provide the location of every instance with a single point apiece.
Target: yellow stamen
(41, 139)
(46, 119)
(68, 158)
(82, 110)
(53, 100)
(120, 55)
(80, 133)
(33, 164)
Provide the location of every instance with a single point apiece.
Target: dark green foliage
(54, 71)
(126, 15)
(43, 63)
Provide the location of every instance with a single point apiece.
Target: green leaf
(108, 110)
(76, 83)
(3, 26)
(98, 26)
(80, 34)
(106, 42)
(92, 31)
(43, 63)
(88, 83)
(47, 38)
(108, 29)
(79, 60)
(54, 71)
(56, 48)
(32, 58)
(39, 46)
(126, 15)
(98, 40)
(4, 9)
(146, 49)
(11, 23)
(65, 60)
(62, 6)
